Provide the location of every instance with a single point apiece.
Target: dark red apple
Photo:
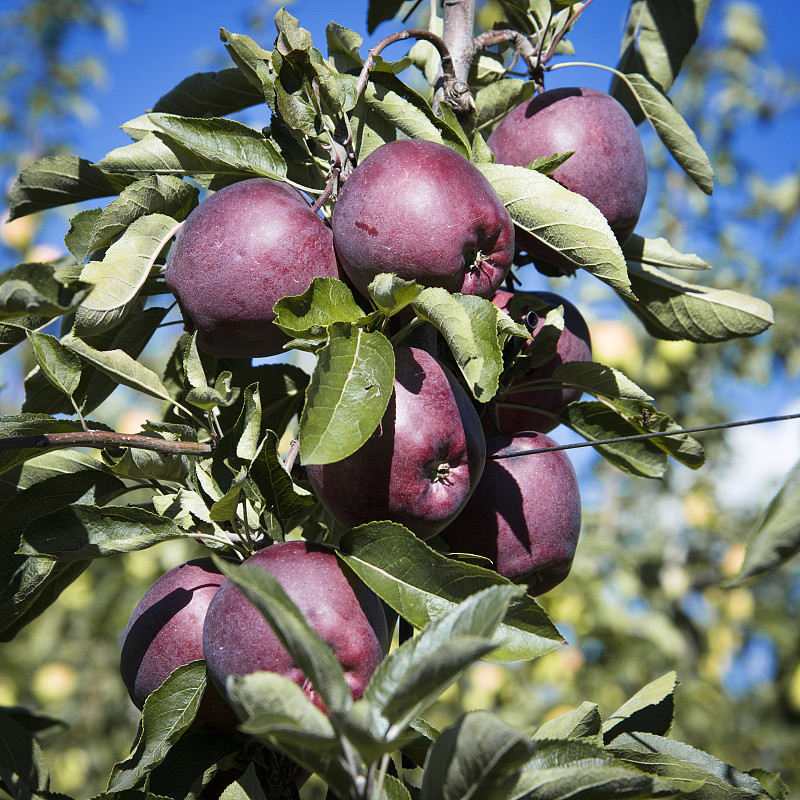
(525, 514)
(519, 403)
(165, 632)
(237, 640)
(240, 251)
(423, 212)
(422, 462)
(608, 167)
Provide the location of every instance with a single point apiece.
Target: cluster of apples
(423, 212)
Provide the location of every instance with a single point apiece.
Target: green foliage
(223, 473)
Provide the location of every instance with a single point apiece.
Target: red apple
(608, 166)
(239, 252)
(422, 462)
(525, 514)
(237, 640)
(423, 212)
(519, 403)
(165, 632)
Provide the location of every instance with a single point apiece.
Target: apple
(165, 632)
(422, 462)
(423, 212)
(240, 251)
(237, 640)
(608, 166)
(518, 403)
(525, 514)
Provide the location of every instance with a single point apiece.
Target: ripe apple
(165, 632)
(423, 212)
(422, 462)
(608, 166)
(237, 640)
(525, 514)
(240, 251)
(518, 403)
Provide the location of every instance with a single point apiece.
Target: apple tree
(357, 537)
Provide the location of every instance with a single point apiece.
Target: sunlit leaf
(420, 584)
(349, 391)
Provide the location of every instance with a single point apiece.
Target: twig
(523, 47)
(455, 90)
(103, 439)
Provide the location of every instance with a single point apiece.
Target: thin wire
(641, 436)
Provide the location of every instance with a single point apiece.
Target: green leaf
(192, 762)
(388, 97)
(660, 253)
(267, 702)
(691, 771)
(34, 288)
(599, 380)
(119, 277)
(595, 421)
(32, 425)
(343, 47)
(164, 195)
(16, 330)
(200, 394)
(349, 392)
(81, 532)
(392, 294)
(23, 768)
(225, 142)
(78, 238)
(253, 62)
(59, 365)
(658, 36)
(776, 538)
(275, 710)
(674, 309)
(380, 11)
(154, 153)
(579, 770)
(561, 220)
(46, 465)
(420, 584)
(582, 723)
(310, 314)
(285, 497)
(60, 180)
(469, 325)
(306, 647)
(673, 131)
(493, 102)
(477, 757)
(36, 585)
(650, 710)
(28, 585)
(167, 713)
(131, 336)
(123, 368)
(413, 676)
(210, 94)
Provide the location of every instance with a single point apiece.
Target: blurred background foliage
(647, 592)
